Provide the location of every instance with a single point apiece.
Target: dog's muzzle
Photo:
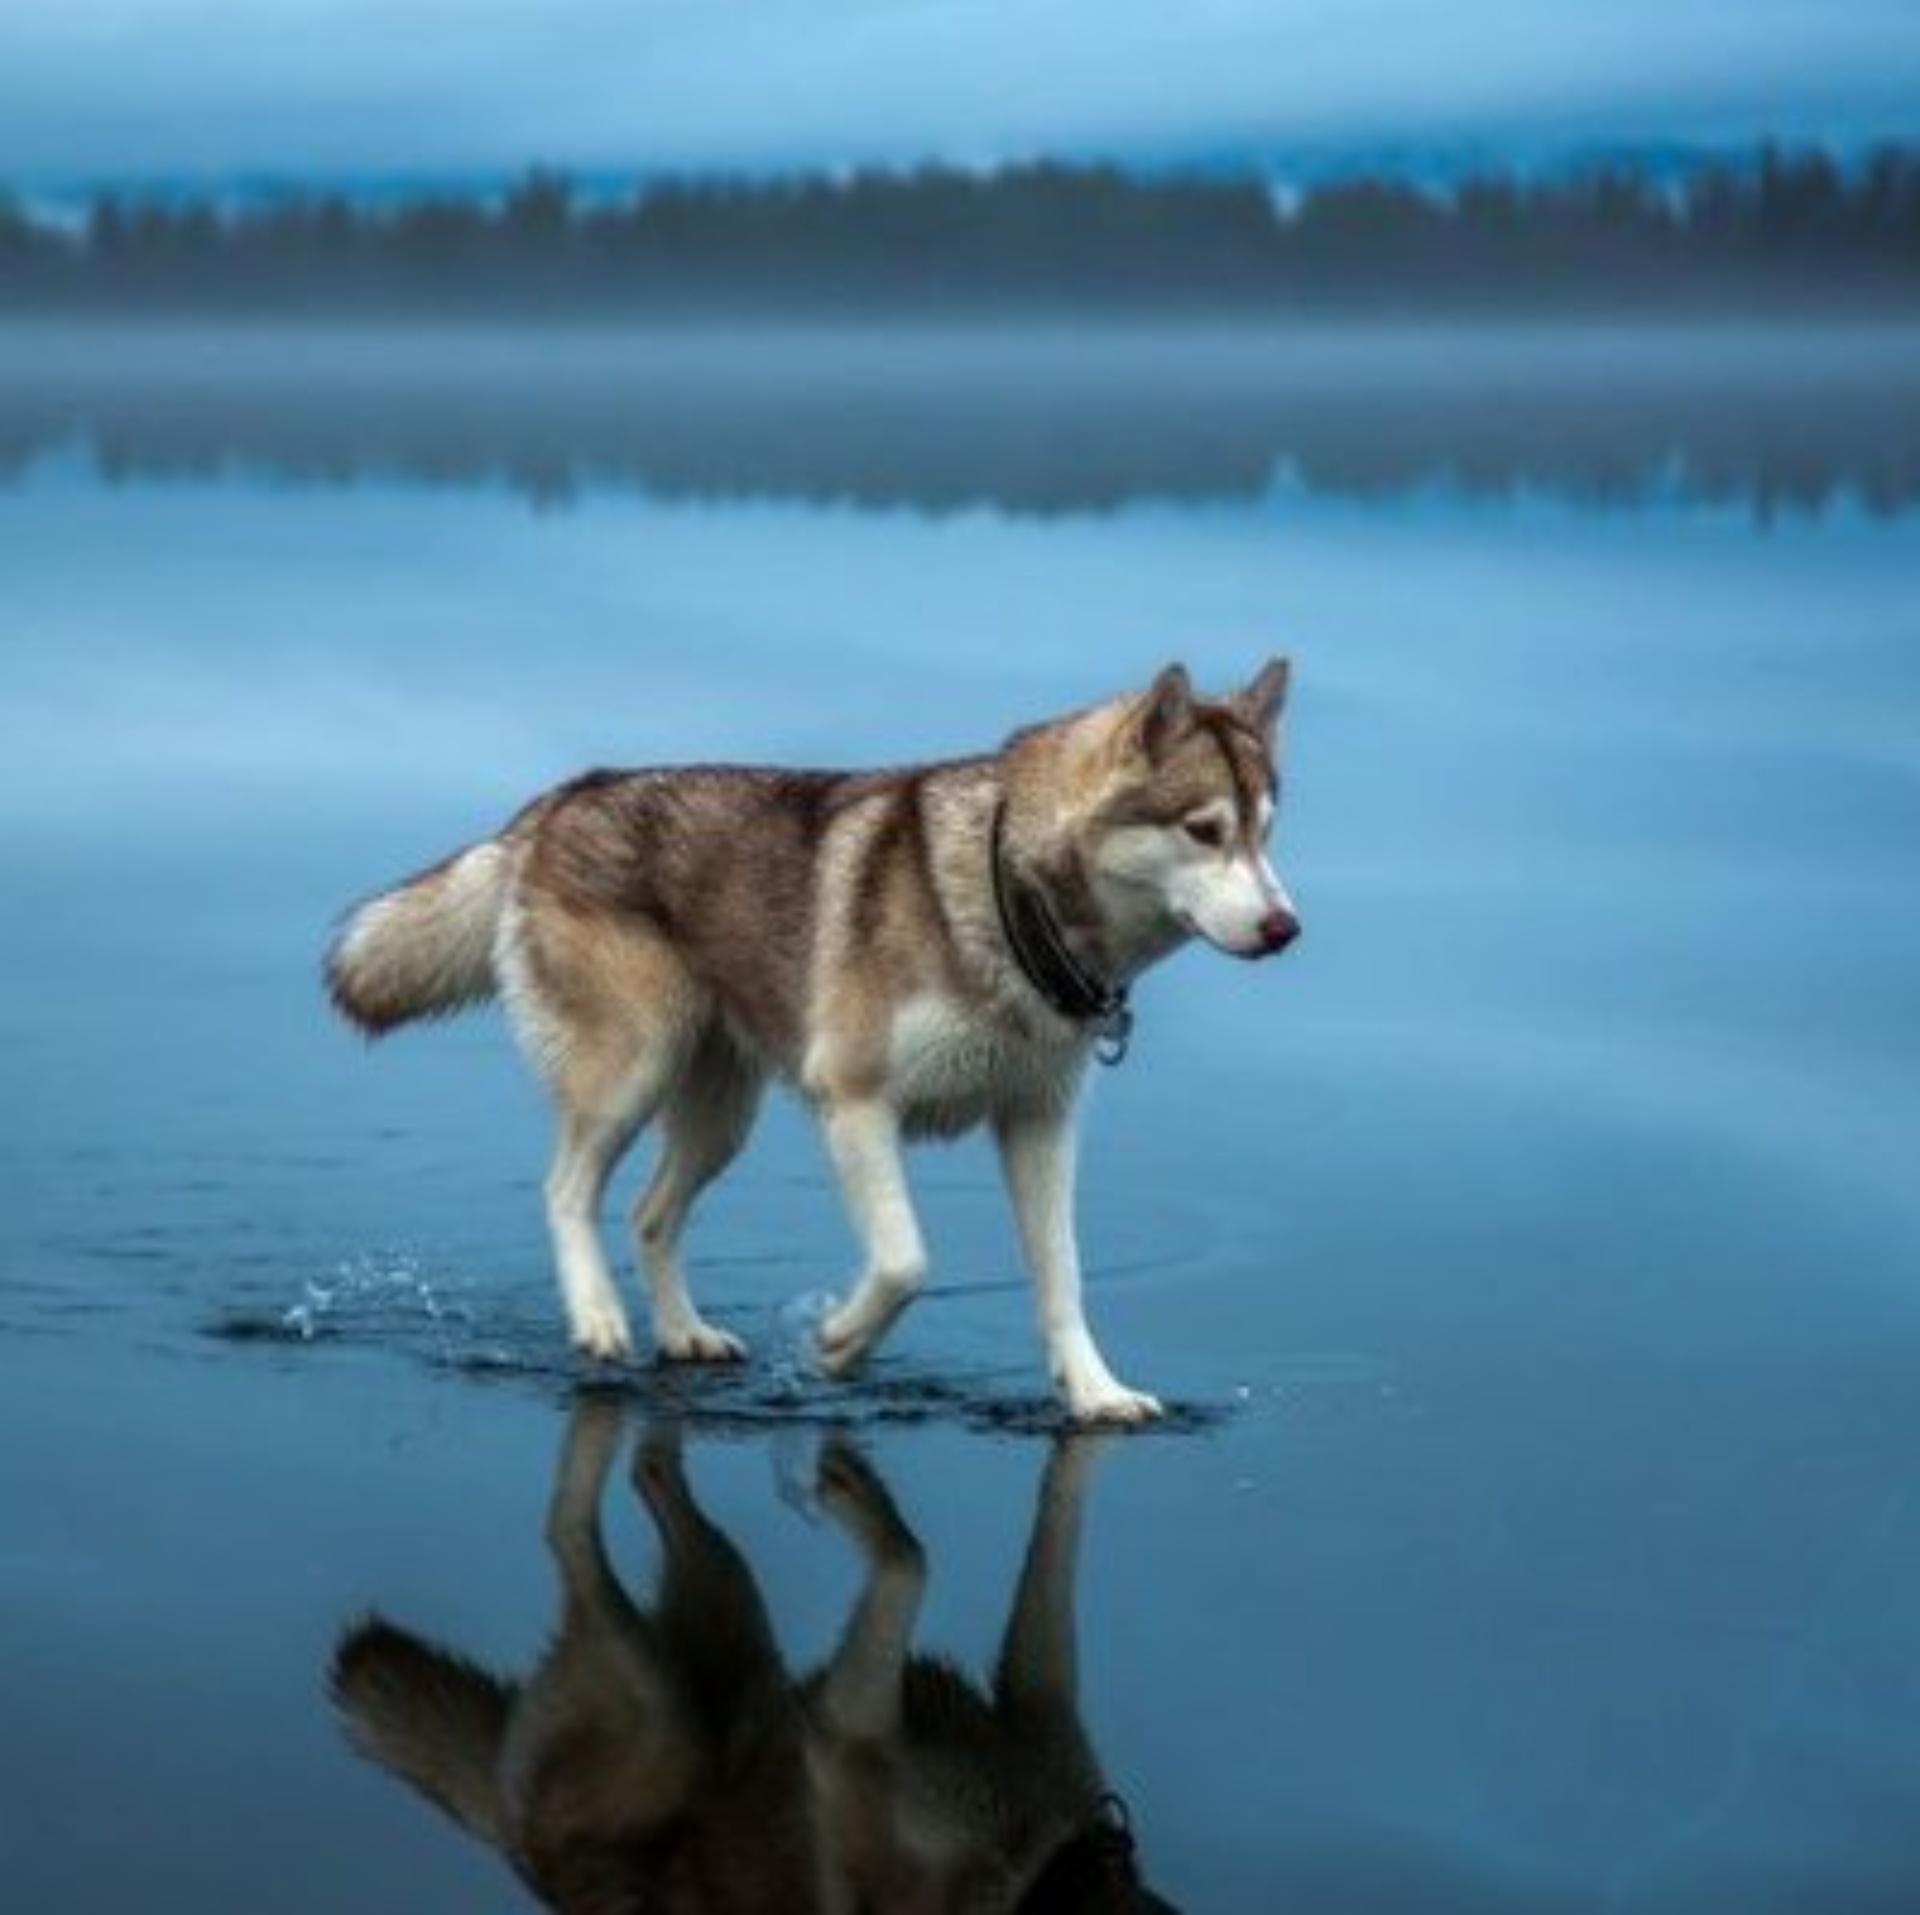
(1278, 929)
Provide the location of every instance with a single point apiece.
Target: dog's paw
(602, 1335)
(1115, 1405)
(844, 1481)
(839, 1346)
(700, 1342)
(849, 1491)
(659, 1469)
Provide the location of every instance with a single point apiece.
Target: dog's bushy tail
(434, 1719)
(425, 948)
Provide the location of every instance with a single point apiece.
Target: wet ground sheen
(1530, 1256)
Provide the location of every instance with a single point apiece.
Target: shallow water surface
(1530, 1255)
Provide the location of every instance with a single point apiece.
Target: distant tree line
(1788, 227)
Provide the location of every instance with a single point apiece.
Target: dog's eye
(1207, 831)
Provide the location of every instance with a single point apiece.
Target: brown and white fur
(667, 940)
(661, 1756)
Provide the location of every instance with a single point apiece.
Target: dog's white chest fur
(949, 1069)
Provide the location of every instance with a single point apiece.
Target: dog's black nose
(1278, 929)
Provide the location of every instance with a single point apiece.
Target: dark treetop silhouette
(1792, 229)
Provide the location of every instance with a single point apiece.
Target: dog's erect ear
(1161, 711)
(1260, 702)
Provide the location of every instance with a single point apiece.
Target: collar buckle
(1113, 1031)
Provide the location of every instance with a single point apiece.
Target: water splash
(371, 1296)
(794, 1358)
(506, 1334)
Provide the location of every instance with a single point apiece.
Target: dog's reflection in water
(661, 1758)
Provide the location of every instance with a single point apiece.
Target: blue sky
(218, 86)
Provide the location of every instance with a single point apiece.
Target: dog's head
(1188, 790)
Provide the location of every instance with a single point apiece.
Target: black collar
(1040, 948)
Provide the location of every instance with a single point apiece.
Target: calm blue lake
(1534, 1251)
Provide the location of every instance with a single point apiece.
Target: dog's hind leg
(606, 1091)
(607, 1020)
(610, 1681)
(589, 1146)
(573, 1530)
(705, 1122)
(710, 1608)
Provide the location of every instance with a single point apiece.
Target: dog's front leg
(861, 1689)
(1039, 1660)
(1037, 1151)
(864, 1140)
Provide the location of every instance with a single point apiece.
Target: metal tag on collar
(1113, 1031)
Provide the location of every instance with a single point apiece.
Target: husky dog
(919, 951)
(662, 1756)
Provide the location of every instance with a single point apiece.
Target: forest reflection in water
(1026, 420)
